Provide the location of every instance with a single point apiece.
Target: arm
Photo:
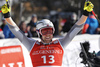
(28, 43)
(10, 21)
(81, 20)
(88, 7)
(14, 28)
(73, 31)
(85, 28)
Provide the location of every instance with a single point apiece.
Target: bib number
(51, 59)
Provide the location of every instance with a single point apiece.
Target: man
(3, 23)
(91, 25)
(25, 29)
(6, 31)
(46, 53)
(32, 25)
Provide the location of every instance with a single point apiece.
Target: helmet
(45, 23)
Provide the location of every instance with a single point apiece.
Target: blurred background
(58, 11)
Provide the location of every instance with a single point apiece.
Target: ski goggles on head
(46, 31)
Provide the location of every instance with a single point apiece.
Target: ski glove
(88, 7)
(6, 10)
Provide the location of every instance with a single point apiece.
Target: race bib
(11, 56)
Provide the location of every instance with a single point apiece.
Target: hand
(88, 6)
(5, 9)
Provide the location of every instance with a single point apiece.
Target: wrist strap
(7, 15)
(86, 13)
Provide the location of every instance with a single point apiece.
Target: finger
(7, 3)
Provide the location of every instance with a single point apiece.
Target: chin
(48, 41)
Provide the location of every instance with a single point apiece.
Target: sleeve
(23, 39)
(87, 21)
(70, 35)
(85, 26)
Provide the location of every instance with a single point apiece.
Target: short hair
(34, 15)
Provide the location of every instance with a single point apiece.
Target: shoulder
(55, 41)
(92, 17)
(6, 27)
(32, 40)
(29, 23)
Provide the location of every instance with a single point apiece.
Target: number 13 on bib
(47, 56)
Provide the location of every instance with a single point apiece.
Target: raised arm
(10, 21)
(88, 7)
(14, 28)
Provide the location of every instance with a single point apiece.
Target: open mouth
(47, 37)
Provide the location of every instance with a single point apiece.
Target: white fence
(71, 57)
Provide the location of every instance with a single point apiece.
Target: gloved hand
(88, 7)
(6, 10)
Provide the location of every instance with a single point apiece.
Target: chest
(47, 55)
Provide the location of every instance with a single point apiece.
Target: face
(47, 38)
(23, 26)
(34, 19)
(4, 22)
(47, 35)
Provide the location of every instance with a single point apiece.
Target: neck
(46, 43)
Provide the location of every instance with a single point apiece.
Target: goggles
(46, 31)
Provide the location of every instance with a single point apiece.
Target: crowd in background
(28, 29)
(61, 23)
(63, 16)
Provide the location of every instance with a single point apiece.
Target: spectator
(68, 24)
(54, 19)
(3, 23)
(91, 25)
(32, 25)
(25, 29)
(6, 31)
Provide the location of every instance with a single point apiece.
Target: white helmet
(45, 23)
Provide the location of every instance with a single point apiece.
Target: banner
(11, 56)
